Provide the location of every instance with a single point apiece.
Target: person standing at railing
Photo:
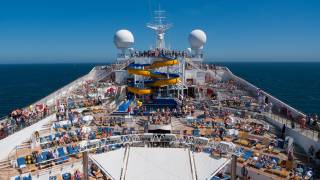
(283, 131)
(270, 105)
(293, 126)
(302, 122)
(311, 153)
(244, 172)
(77, 175)
(2, 133)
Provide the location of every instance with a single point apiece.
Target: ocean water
(297, 84)
(21, 84)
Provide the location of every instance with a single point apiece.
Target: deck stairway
(140, 122)
(5, 164)
(176, 124)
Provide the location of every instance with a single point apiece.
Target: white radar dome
(197, 38)
(123, 39)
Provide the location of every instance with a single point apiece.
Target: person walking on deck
(283, 131)
(244, 172)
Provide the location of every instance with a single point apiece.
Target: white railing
(271, 98)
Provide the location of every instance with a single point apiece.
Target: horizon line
(205, 61)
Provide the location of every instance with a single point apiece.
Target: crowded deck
(159, 98)
(85, 118)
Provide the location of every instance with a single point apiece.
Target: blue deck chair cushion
(207, 150)
(21, 162)
(50, 138)
(57, 135)
(226, 177)
(53, 178)
(215, 178)
(247, 155)
(276, 159)
(76, 149)
(196, 132)
(70, 150)
(66, 176)
(258, 165)
(27, 177)
(39, 158)
(42, 139)
(62, 154)
(44, 155)
(116, 133)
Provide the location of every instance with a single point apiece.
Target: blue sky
(82, 31)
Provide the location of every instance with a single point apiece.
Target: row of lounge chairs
(46, 158)
(63, 176)
(26, 176)
(275, 169)
(46, 141)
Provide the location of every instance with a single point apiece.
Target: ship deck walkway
(312, 134)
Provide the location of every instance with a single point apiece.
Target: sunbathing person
(77, 175)
(95, 171)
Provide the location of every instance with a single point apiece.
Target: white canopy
(157, 163)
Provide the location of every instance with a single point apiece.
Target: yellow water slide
(163, 62)
(139, 91)
(158, 82)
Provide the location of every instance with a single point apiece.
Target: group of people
(159, 53)
(21, 118)
(264, 104)
(161, 116)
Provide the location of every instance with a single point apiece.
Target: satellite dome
(123, 39)
(197, 38)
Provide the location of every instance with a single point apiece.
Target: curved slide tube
(161, 79)
(163, 62)
(139, 91)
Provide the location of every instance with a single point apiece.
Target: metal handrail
(314, 134)
(308, 132)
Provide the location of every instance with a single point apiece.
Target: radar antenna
(159, 26)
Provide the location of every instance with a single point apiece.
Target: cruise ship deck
(218, 112)
(157, 110)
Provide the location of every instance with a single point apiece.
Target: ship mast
(159, 26)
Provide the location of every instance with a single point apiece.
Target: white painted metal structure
(112, 162)
(123, 39)
(197, 38)
(159, 27)
(158, 164)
